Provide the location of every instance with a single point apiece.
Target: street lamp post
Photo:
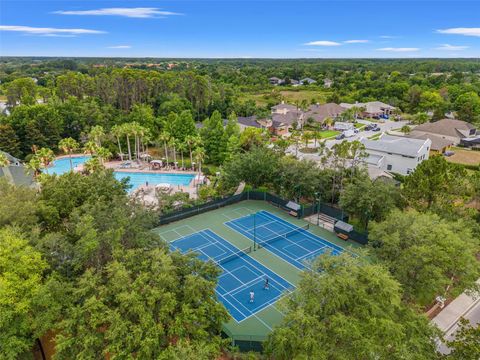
(254, 232)
(318, 198)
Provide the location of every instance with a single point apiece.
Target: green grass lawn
(289, 96)
(375, 137)
(328, 133)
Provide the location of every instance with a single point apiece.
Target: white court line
(237, 213)
(251, 313)
(309, 235)
(270, 251)
(244, 258)
(236, 309)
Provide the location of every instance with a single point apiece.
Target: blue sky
(275, 29)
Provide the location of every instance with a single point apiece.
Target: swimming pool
(62, 166)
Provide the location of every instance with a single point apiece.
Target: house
(282, 124)
(307, 81)
(16, 173)
(343, 126)
(372, 109)
(275, 81)
(439, 145)
(327, 83)
(396, 154)
(319, 112)
(283, 108)
(253, 121)
(454, 131)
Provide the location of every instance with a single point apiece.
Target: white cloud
(126, 12)
(449, 47)
(388, 37)
(322, 43)
(356, 41)
(461, 31)
(48, 31)
(120, 47)
(405, 49)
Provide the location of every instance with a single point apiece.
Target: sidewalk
(447, 320)
(449, 316)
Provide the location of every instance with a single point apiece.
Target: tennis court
(240, 275)
(292, 243)
(214, 240)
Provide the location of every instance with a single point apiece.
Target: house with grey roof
(396, 154)
(371, 109)
(16, 173)
(307, 81)
(275, 80)
(455, 131)
(283, 108)
(253, 122)
(319, 112)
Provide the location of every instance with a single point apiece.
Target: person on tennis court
(252, 296)
(266, 285)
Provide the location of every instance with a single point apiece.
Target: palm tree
(127, 131)
(190, 141)
(35, 165)
(97, 134)
(136, 131)
(103, 154)
(90, 147)
(92, 165)
(199, 155)
(117, 131)
(173, 144)
(181, 147)
(45, 156)
(4, 160)
(165, 137)
(68, 146)
(328, 121)
(405, 129)
(307, 136)
(295, 139)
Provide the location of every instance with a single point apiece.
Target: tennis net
(284, 236)
(233, 256)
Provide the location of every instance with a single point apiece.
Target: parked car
(356, 131)
(448, 153)
(370, 127)
(340, 136)
(376, 128)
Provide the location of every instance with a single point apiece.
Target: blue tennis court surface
(240, 274)
(290, 242)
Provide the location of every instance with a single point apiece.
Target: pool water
(62, 166)
(137, 179)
